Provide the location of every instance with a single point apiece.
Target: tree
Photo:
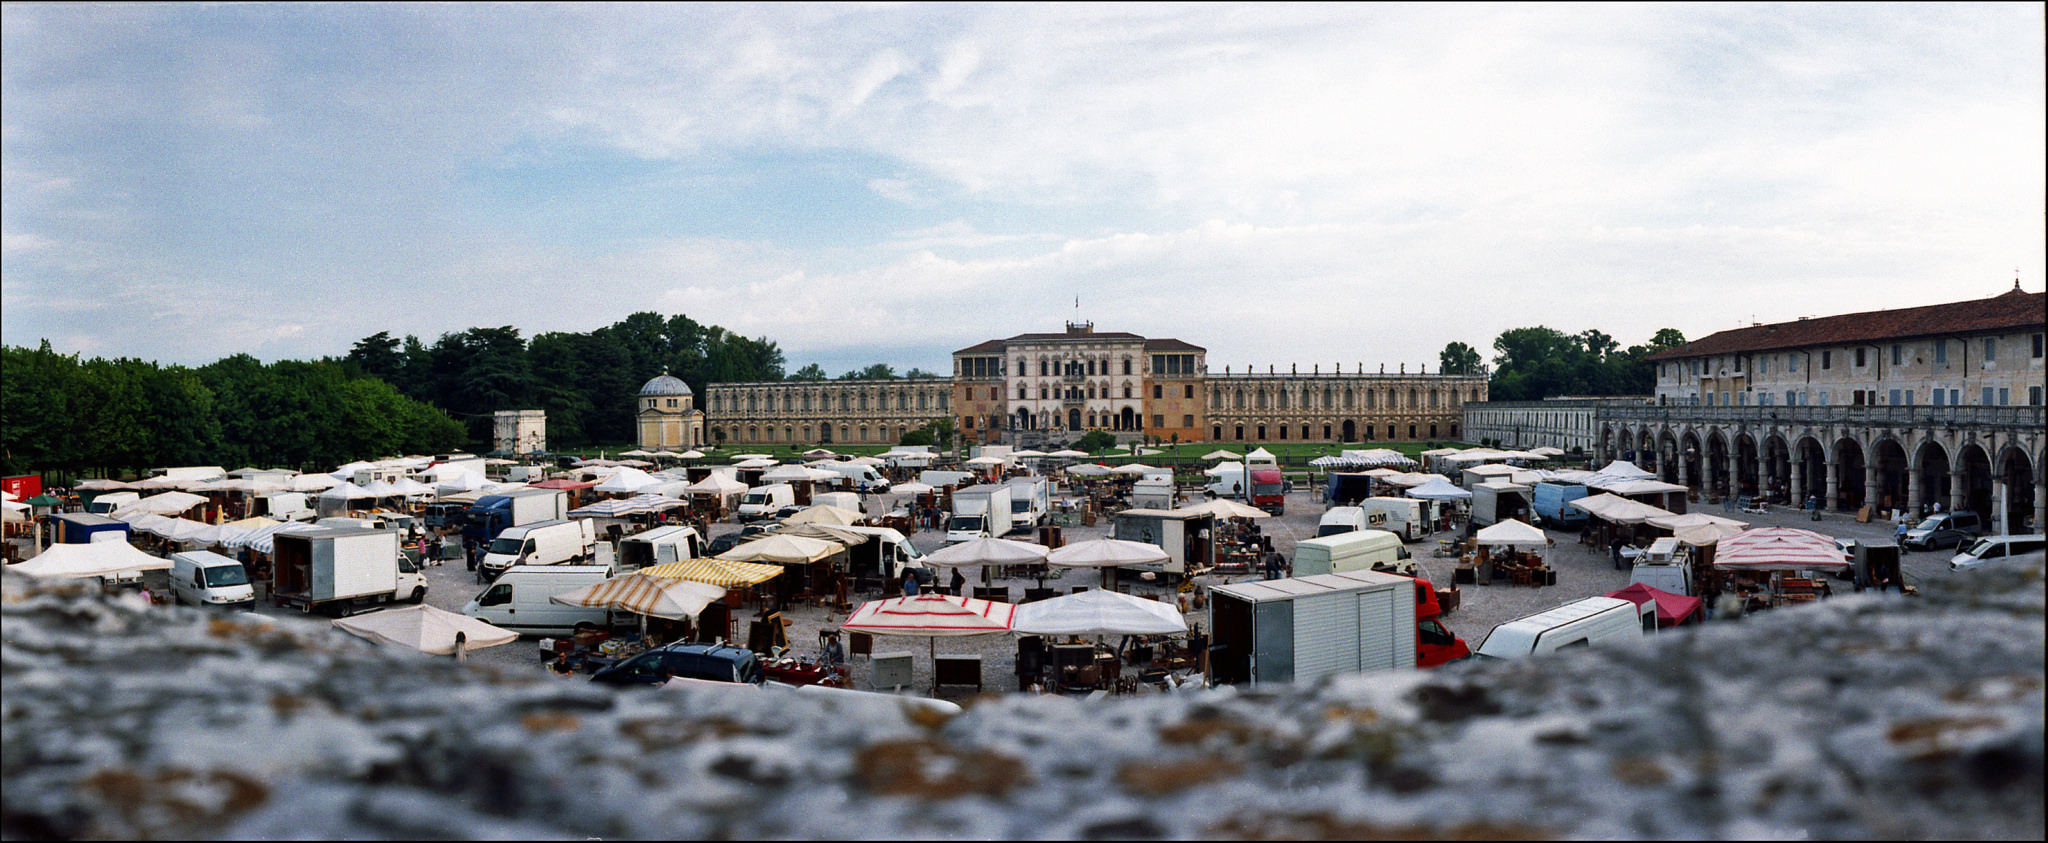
(1459, 359)
(377, 356)
(874, 372)
(1666, 338)
(810, 372)
(1095, 440)
(916, 373)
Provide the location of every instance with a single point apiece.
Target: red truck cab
(1269, 490)
(1435, 644)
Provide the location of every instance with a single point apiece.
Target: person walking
(959, 582)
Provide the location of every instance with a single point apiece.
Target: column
(1913, 490)
(2000, 506)
(1796, 493)
(1957, 494)
(2040, 503)
(1684, 473)
(1834, 484)
(1763, 479)
(1870, 489)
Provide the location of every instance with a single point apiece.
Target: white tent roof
(987, 551)
(716, 484)
(61, 561)
(1104, 553)
(1493, 470)
(346, 492)
(1504, 486)
(1624, 468)
(626, 479)
(165, 503)
(1620, 510)
(1636, 487)
(1220, 468)
(661, 597)
(1132, 468)
(1089, 470)
(424, 628)
(1514, 533)
(1099, 612)
(1438, 489)
(1260, 455)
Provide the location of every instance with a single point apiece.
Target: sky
(1310, 185)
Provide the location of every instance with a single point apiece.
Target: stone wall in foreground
(1861, 717)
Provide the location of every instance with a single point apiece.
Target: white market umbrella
(911, 488)
(1099, 612)
(788, 550)
(787, 473)
(1222, 454)
(716, 484)
(867, 461)
(104, 486)
(1105, 554)
(750, 456)
(313, 483)
(347, 492)
(988, 553)
(1132, 468)
(820, 452)
(1027, 453)
(1067, 453)
(1694, 519)
(986, 461)
(1701, 535)
(1620, 510)
(1438, 489)
(755, 462)
(424, 628)
(1089, 470)
(692, 454)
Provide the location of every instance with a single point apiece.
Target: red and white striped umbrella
(1779, 548)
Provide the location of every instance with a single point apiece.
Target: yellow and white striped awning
(644, 595)
(718, 572)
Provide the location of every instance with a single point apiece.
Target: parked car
(729, 541)
(709, 662)
(1948, 529)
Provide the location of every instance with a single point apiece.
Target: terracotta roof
(990, 346)
(2009, 311)
(997, 346)
(1171, 345)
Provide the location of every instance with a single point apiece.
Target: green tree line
(586, 382)
(1531, 364)
(62, 413)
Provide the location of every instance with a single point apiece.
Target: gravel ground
(1582, 572)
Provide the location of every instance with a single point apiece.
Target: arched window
(1281, 397)
(1240, 403)
(1261, 396)
(1371, 399)
(1411, 399)
(1127, 368)
(1432, 400)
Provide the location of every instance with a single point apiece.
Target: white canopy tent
(1438, 489)
(71, 561)
(1512, 534)
(425, 628)
(1620, 510)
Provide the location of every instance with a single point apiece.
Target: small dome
(665, 385)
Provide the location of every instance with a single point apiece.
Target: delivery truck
(1185, 536)
(1031, 501)
(1262, 487)
(491, 514)
(205, 578)
(1409, 518)
(558, 542)
(85, 527)
(1359, 550)
(1153, 493)
(658, 546)
(284, 506)
(1494, 501)
(1302, 629)
(979, 511)
(1553, 507)
(337, 572)
(1592, 622)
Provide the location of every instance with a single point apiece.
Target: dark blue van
(709, 662)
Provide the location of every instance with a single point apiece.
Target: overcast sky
(1312, 185)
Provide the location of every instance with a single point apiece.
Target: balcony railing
(1887, 414)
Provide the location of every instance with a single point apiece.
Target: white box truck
(518, 600)
(1344, 519)
(339, 571)
(979, 511)
(205, 578)
(1031, 501)
(546, 543)
(1409, 518)
(1494, 501)
(1177, 532)
(762, 502)
(843, 500)
(1153, 493)
(857, 474)
(1302, 629)
(1359, 550)
(939, 479)
(658, 546)
(1592, 622)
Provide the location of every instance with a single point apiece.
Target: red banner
(23, 487)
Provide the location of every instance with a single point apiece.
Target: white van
(205, 578)
(858, 474)
(284, 506)
(1592, 622)
(657, 546)
(761, 502)
(1666, 565)
(843, 500)
(518, 600)
(1342, 519)
(107, 502)
(545, 543)
(1993, 548)
(1409, 518)
(1359, 550)
(895, 552)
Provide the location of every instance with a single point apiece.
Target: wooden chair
(859, 644)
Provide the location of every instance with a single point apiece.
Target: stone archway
(2016, 476)
(1809, 471)
(1074, 419)
(1849, 475)
(1931, 467)
(1667, 456)
(1350, 430)
(1974, 466)
(1127, 420)
(1716, 466)
(1888, 469)
(1777, 468)
(1747, 482)
(1690, 452)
